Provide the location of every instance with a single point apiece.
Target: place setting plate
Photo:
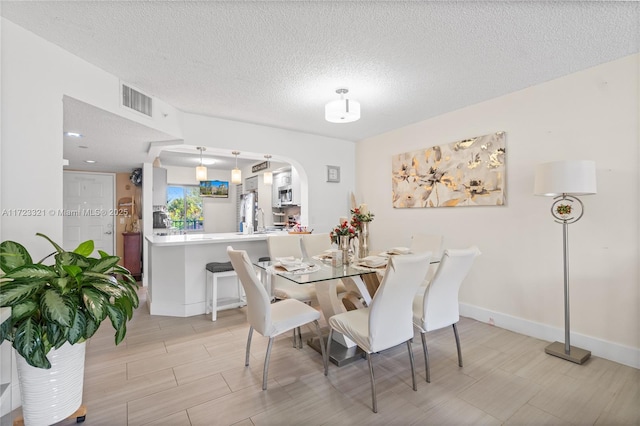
(375, 263)
(294, 266)
(395, 251)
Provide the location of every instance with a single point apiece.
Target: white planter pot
(49, 396)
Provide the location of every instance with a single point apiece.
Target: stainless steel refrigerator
(249, 209)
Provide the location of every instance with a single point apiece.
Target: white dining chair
(437, 306)
(387, 321)
(288, 246)
(316, 244)
(266, 318)
(428, 242)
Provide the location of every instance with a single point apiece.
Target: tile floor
(190, 371)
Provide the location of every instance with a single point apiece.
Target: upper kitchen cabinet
(286, 188)
(159, 186)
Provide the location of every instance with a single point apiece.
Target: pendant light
(268, 176)
(343, 110)
(201, 170)
(236, 174)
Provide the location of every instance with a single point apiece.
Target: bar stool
(216, 270)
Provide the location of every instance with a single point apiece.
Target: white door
(89, 210)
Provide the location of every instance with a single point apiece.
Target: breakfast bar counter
(177, 275)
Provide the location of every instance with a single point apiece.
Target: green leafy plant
(63, 302)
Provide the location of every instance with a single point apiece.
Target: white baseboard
(612, 351)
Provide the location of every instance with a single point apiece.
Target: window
(184, 206)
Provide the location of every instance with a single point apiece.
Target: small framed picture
(333, 173)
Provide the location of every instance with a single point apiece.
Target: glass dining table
(325, 278)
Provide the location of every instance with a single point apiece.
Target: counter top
(191, 239)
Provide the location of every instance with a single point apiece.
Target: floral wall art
(470, 172)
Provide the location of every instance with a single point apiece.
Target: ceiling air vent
(137, 101)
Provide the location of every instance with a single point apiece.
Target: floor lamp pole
(567, 316)
(566, 351)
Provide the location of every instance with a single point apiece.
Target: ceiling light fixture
(73, 134)
(268, 176)
(236, 174)
(343, 110)
(201, 170)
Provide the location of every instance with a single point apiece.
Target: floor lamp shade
(574, 177)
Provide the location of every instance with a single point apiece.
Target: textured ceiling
(279, 63)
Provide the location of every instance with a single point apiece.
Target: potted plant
(55, 308)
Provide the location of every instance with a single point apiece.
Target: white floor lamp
(564, 180)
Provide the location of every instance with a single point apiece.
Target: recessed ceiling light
(90, 161)
(73, 134)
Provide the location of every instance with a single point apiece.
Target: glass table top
(315, 272)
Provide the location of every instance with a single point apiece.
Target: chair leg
(326, 363)
(455, 332)
(426, 357)
(374, 400)
(295, 338)
(413, 367)
(299, 338)
(322, 348)
(246, 357)
(265, 370)
(207, 295)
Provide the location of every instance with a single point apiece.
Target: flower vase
(344, 246)
(363, 249)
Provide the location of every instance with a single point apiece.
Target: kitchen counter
(189, 239)
(177, 274)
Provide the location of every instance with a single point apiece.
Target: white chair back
(315, 244)
(424, 242)
(284, 246)
(390, 313)
(258, 310)
(440, 303)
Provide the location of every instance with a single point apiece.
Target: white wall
(592, 114)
